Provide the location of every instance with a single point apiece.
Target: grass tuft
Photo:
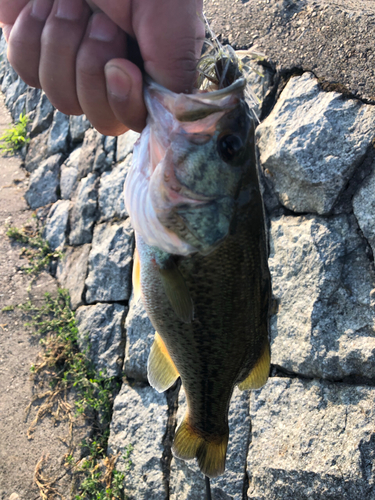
(62, 367)
(14, 138)
(7, 308)
(37, 250)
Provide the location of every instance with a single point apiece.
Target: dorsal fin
(136, 278)
(161, 371)
(259, 374)
(177, 291)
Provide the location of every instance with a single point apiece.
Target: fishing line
(208, 488)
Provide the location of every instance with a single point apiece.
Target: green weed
(37, 250)
(15, 137)
(7, 308)
(102, 481)
(65, 367)
(126, 457)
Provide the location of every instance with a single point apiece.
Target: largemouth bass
(200, 267)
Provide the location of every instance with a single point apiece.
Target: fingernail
(70, 10)
(102, 28)
(118, 82)
(41, 9)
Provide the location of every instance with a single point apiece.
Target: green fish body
(203, 274)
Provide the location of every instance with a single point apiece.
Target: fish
(200, 264)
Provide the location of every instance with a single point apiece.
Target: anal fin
(177, 291)
(209, 450)
(259, 374)
(161, 371)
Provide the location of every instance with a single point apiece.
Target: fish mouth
(236, 86)
(195, 106)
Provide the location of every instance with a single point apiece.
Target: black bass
(201, 262)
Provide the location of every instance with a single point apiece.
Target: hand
(82, 58)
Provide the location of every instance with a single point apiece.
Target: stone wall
(309, 433)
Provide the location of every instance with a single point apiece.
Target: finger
(92, 6)
(170, 35)
(120, 11)
(61, 38)
(200, 28)
(167, 32)
(125, 93)
(24, 40)
(10, 9)
(103, 41)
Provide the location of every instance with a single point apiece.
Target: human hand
(83, 61)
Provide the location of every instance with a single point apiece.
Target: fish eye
(229, 146)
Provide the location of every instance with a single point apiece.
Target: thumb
(125, 93)
(170, 35)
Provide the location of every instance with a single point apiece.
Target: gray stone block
(101, 336)
(43, 116)
(364, 209)
(72, 271)
(311, 440)
(312, 142)
(111, 198)
(78, 126)
(110, 144)
(110, 263)
(19, 107)
(84, 212)
(37, 151)
(56, 224)
(323, 282)
(139, 421)
(43, 183)
(139, 338)
(58, 133)
(92, 141)
(3, 60)
(125, 144)
(13, 92)
(10, 76)
(33, 98)
(69, 174)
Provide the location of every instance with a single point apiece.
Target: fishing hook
(208, 488)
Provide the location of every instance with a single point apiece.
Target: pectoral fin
(161, 371)
(136, 278)
(177, 292)
(259, 374)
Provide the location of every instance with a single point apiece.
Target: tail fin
(209, 450)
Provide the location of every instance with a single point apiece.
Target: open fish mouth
(187, 108)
